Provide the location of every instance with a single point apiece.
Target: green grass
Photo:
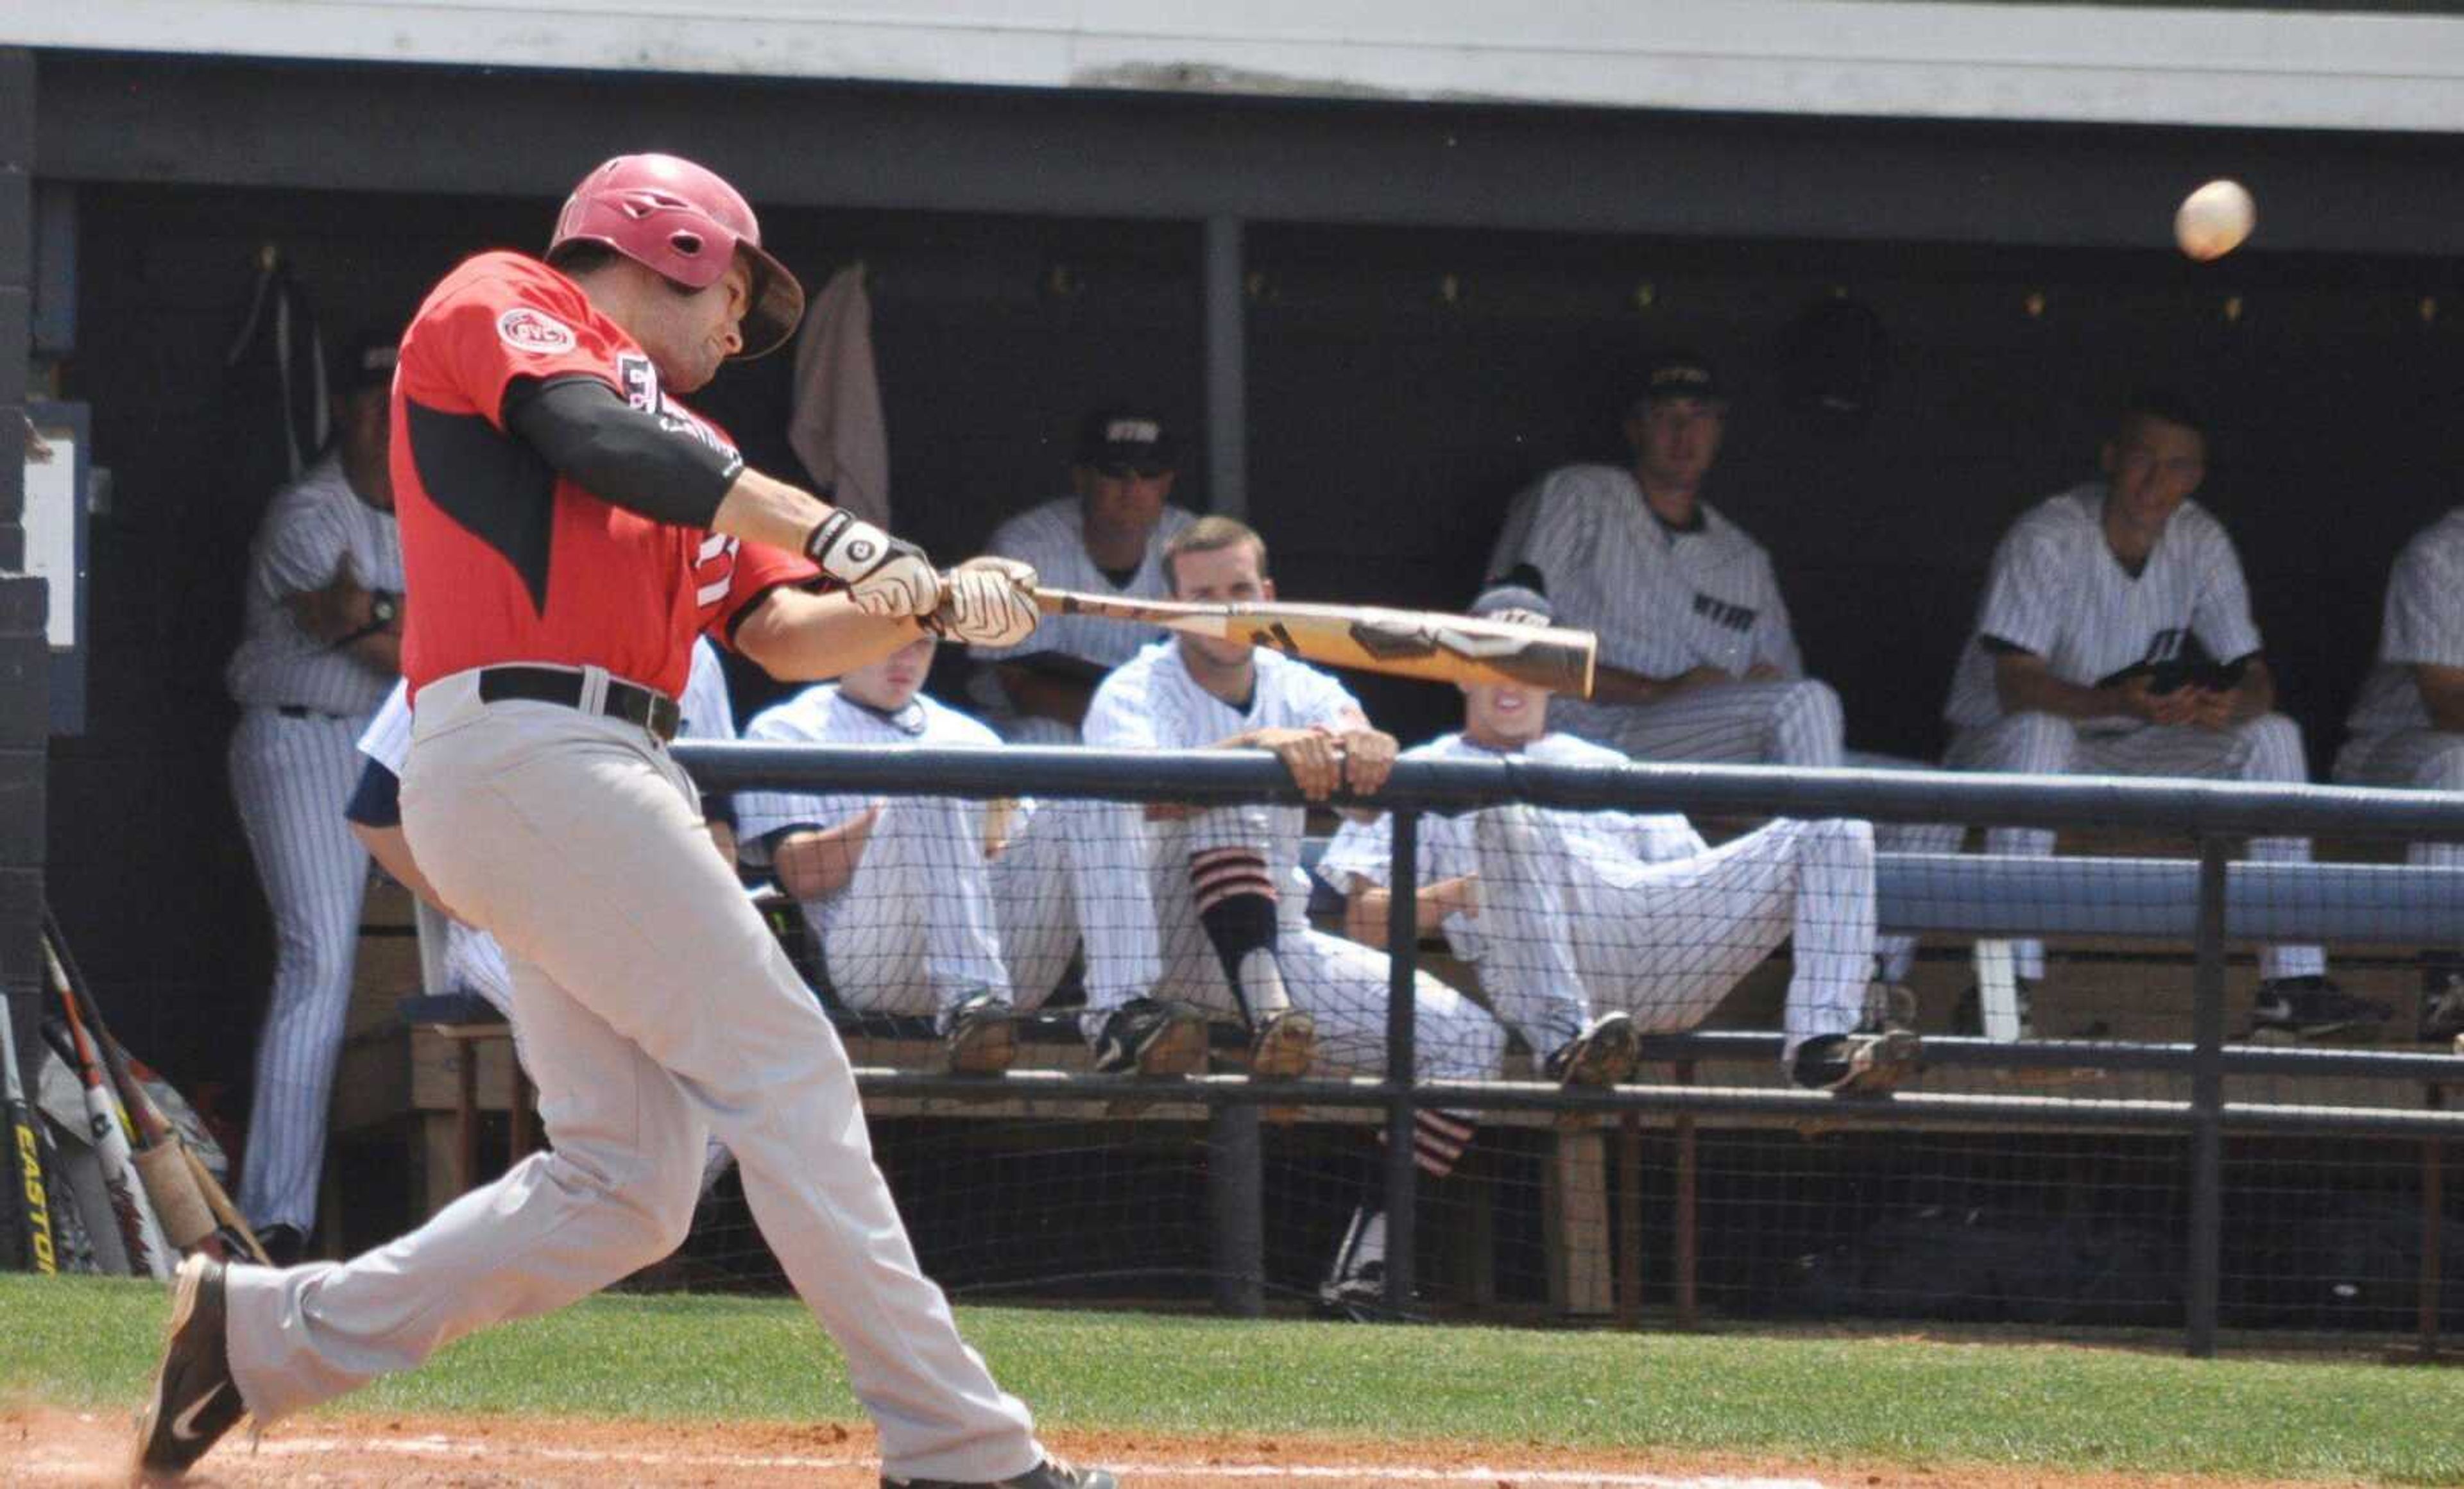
(87, 1343)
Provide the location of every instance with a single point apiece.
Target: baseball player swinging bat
(32, 1192)
(1423, 643)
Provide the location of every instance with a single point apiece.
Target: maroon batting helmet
(681, 220)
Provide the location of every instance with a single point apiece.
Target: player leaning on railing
(569, 528)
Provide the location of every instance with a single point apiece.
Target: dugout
(1383, 314)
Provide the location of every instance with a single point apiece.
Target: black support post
(1228, 369)
(2207, 1100)
(1403, 966)
(1236, 1188)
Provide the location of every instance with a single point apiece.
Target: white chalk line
(475, 1453)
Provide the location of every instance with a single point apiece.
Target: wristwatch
(384, 607)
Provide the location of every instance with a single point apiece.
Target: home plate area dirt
(44, 1446)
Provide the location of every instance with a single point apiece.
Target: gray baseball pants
(654, 1006)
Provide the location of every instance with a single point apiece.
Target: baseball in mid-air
(2214, 220)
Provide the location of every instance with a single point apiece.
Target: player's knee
(1230, 827)
(2034, 744)
(1839, 839)
(2276, 751)
(653, 1191)
(1458, 1040)
(1514, 829)
(2444, 770)
(1810, 709)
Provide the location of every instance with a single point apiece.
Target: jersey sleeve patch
(533, 333)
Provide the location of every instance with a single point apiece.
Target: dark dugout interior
(1403, 384)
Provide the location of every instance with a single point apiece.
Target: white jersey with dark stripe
(2423, 625)
(1662, 602)
(704, 712)
(1152, 702)
(308, 528)
(1053, 538)
(2056, 591)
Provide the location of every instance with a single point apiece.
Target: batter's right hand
(885, 575)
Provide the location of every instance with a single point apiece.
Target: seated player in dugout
(966, 912)
(1106, 538)
(2115, 638)
(1698, 658)
(2407, 726)
(1225, 883)
(1589, 928)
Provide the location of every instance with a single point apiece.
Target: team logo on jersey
(533, 333)
(1720, 612)
(2166, 643)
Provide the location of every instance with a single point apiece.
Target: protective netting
(1684, 1066)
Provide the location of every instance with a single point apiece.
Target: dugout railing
(2209, 901)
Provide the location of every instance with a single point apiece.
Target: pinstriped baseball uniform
(474, 961)
(1662, 602)
(925, 920)
(1152, 702)
(2056, 590)
(1581, 912)
(1053, 538)
(2393, 742)
(292, 769)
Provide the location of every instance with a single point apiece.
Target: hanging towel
(836, 428)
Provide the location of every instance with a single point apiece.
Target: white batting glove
(884, 575)
(987, 602)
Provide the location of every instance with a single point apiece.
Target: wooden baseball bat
(1423, 643)
(34, 1197)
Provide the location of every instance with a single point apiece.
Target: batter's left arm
(801, 637)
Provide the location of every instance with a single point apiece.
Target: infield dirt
(44, 1446)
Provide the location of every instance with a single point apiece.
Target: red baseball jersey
(507, 560)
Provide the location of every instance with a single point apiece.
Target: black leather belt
(654, 712)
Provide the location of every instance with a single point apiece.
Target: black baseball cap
(366, 361)
(1681, 375)
(1125, 436)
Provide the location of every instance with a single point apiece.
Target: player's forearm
(1367, 913)
(800, 637)
(1616, 685)
(391, 851)
(814, 866)
(2255, 694)
(2036, 690)
(762, 509)
(379, 651)
(2442, 697)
